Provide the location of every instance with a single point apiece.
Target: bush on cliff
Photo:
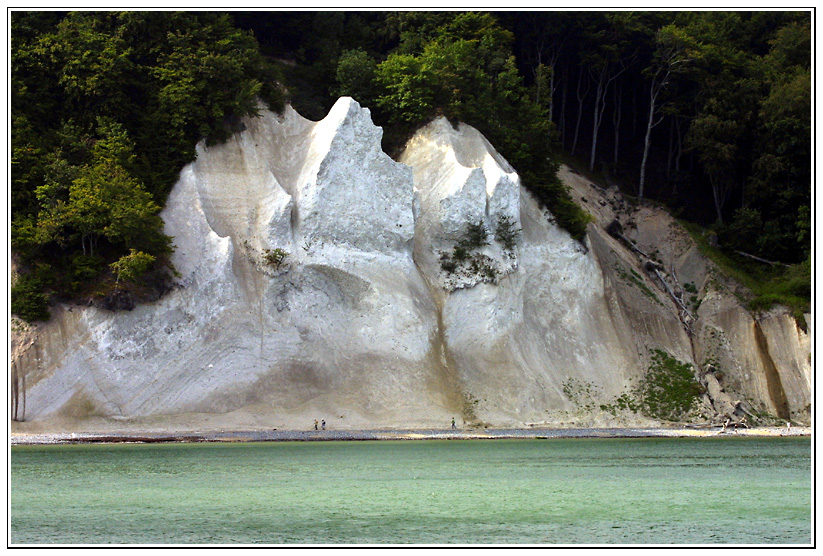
(670, 390)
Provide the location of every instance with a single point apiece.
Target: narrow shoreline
(23, 439)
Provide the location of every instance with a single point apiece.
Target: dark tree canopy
(107, 107)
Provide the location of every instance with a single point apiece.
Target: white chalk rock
(372, 320)
(461, 180)
(345, 326)
(544, 320)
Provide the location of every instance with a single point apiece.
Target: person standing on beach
(323, 424)
(454, 426)
(315, 424)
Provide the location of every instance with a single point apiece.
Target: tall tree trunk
(679, 145)
(647, 141)
(646, 144)
(15, 393)
(562, 123)
(719, 195)
(670, 153)
(603, 82)
(616, 117)
(598, 113)
(580, 99)
(659, 82)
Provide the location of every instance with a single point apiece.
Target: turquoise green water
(592, 491)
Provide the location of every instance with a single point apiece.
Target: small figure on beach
(323, 424)
(788, 426)
(454, 426)
(315, 424)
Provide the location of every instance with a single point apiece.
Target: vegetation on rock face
(464, 256)
(633, 278)
(583, 394)
(505, 233)
(776, 284)
(669, 391)
(275, 257)
(475, 236)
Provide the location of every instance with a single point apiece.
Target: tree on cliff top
(107, 107)
(462, 67)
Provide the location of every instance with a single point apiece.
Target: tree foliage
(107, 107)
(461, 66)
(132, 266)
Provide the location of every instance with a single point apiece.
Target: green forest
(706, 113)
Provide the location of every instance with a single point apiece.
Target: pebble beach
(394, 434)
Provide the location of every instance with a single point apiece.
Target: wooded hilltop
(708, 113)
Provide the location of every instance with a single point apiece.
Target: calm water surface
(661, 490)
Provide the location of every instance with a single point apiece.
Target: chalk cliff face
(372, 320)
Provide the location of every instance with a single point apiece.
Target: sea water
(566, 491)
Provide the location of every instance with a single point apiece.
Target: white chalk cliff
(361, 324)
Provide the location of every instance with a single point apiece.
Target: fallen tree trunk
(758, 259)
(676, 299)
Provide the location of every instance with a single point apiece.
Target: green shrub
(624, 402)
(789, 286)
(553, 195)
(28, 301)
(355, 74)
(670, 390)
(460, 253)
(132, 266)
(83, 270)
(447, 264)
(475, 236)
(480, 266)
(275, 257)
(505, 232)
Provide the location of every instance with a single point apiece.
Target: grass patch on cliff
(669, 391)
(581, 393)
(464, 257)
(790, 286)
(634, 279)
